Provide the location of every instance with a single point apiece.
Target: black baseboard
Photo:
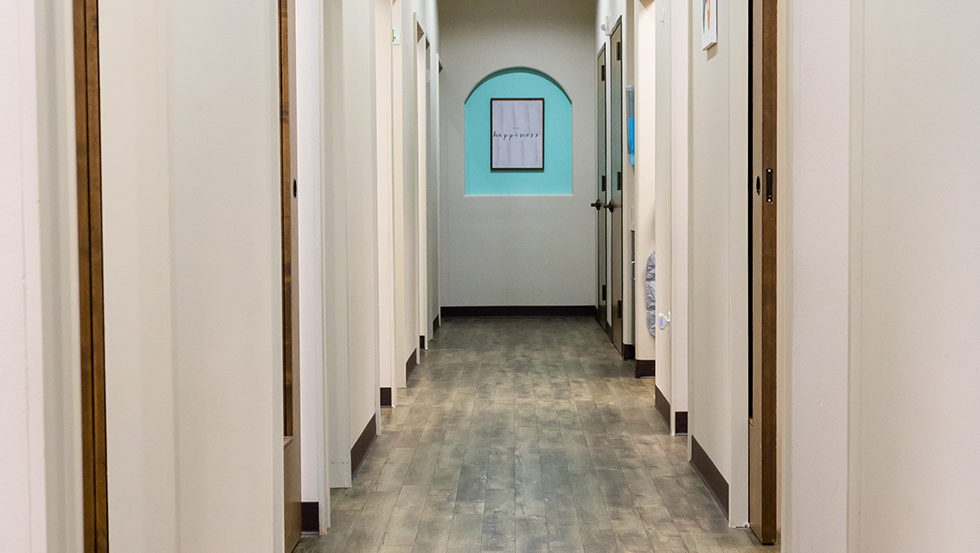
(362, 445)
(421, 343)
(646, 368)
(411, 364)
(386, 397)
(629, 352)
(311, 517)
(710, 474)
(681, 418)
(663, 406)
(468, 312)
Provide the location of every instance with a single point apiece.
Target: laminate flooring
(526, 435)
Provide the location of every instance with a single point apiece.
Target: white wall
(309, 174)
(680, 95)
(814, 275)
(139, 341)
(386, 247)
(360, 108)
(648, 165)
(718, 251)
(405, 173)
(478, 39)
(913, 274)
(193, 284)
(40, 407)
(672, 81)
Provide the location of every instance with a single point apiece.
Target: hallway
(526, 435)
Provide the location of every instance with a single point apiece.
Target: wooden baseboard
(663, 406)
(646, 368)
(472, 312)
(680, 418)
(386, 397)
(311, 517)
(629, 352)
(411, 364)
(710, 474)
(362, 445)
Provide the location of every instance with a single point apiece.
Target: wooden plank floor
(526, 435)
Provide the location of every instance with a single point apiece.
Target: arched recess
(518, 82)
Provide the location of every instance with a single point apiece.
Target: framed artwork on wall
(516, 134)
(709, 23)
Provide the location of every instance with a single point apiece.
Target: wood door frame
(88, 137)
(762, 191)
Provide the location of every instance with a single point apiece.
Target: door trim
(763, 456)
(88, 137)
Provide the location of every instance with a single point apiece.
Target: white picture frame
(516, 134)
(709, 23)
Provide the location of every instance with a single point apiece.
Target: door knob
(597, 205)
(663, 321)
(610, 207)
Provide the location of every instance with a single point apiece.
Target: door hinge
(619, 309)
(603, 292)
(619, 180)
(602, 76)
(619, 51)
(603, 183)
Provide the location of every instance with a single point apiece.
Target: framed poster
(709, 23)
(516, 134)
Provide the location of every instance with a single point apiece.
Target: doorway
(601, 192)
(763, 468)
(292, 488)
(615, 203)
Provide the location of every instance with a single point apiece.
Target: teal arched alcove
(519, 82)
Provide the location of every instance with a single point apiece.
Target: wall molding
(646, 368)
(311, 517)
(363, 445)
(472, 312)
(680, 426)
(629, 352)
(663, 406)
(710, 475)
(411, 364)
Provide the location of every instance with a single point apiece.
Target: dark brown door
(762, 247)
(88, 137)
(615, 204)
(601, 190)
(292, 488)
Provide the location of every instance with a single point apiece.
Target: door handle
(598, 205)
(663, 321)
(610, 207)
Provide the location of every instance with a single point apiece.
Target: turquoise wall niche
(556, 178)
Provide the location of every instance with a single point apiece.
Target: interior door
(762, 248)
(615, 204)
(601, 190)
(292, 488)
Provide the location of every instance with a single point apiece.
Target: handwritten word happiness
(515, 135)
